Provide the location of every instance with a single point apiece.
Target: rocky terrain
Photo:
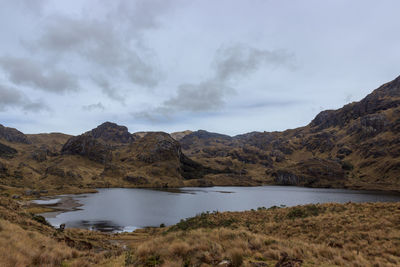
(357, 146)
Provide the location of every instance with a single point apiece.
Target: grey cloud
(107, 89)
(204, 96)
(144, 14)
(98, 106)
(24, 71)
(105, 43)
(229, 63)
(13, 98)
(240, 60)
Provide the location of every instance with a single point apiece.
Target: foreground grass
(318, 235)
(349, 234)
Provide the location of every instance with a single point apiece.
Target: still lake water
(122, 209)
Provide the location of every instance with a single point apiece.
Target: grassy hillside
(349, 234)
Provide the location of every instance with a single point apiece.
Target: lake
(123, 209)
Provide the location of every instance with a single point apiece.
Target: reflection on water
(122, 209)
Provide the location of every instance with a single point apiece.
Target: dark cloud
(24, 71)
(13, 98)
(98, 106)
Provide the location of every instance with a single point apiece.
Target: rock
(39, 155)
(7, 151)
(311, 172)
(137, 180)
(111, 132)
(13, 135)
(224, 263)
(87, 146)
(16, 197)
(286, 261)
(73, 175)
(61, 228)
(56, 171)
(345, 151)
(30, 192)
(286, 178)
(157, 146)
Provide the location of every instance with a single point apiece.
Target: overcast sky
(223, 66)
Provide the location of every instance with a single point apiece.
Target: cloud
(239, 61)
(13, 98)
(230, 64)
(108, 90)
(111, 46)
(98, 106)
(24, 71)
(204, 96)
(144, 14)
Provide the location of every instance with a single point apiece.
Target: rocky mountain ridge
(357, 146)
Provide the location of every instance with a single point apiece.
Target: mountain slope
(357, 146)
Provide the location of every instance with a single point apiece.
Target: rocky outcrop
(87, 146)
(13, 135)
(112, 132)
(311, 172)
(7, 151)
(40, 155)
(136, 180)
(383, 98)
(161, 147)
(157, 146)
(283, 177)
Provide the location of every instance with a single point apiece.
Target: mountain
(356, 146)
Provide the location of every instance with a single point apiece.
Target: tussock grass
(321, 235)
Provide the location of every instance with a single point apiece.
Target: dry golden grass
(21, 247)
(320, 235)
(348, 234)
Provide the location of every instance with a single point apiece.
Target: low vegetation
(348, 234)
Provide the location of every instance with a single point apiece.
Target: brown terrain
(357, 146)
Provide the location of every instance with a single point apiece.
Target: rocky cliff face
(112, 133)
(13, 135)
(87, 146)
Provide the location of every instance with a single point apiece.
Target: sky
(227, 66)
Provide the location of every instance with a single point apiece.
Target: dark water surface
(121, 209)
